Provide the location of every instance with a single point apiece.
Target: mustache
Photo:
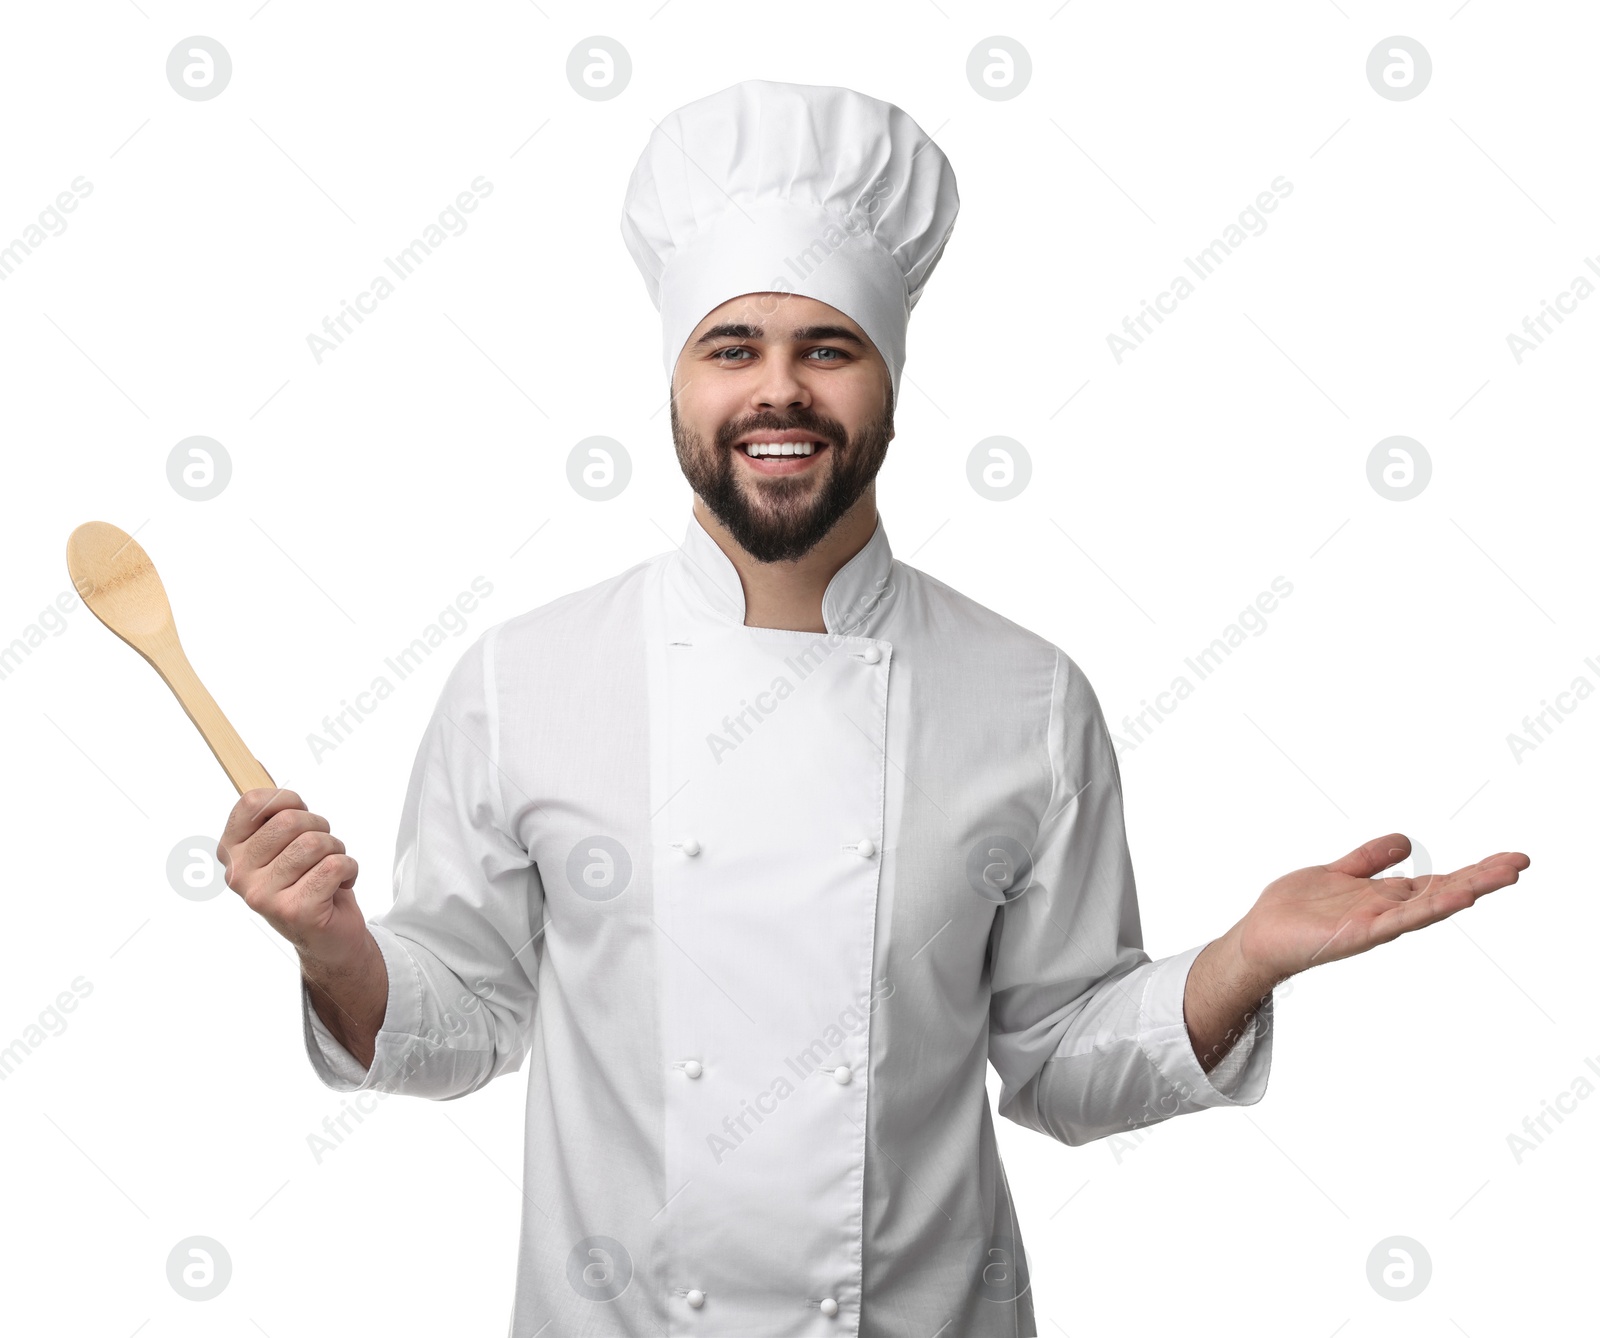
(825, 428)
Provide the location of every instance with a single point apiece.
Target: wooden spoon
(118, 582)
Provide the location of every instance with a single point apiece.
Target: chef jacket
(763, 904)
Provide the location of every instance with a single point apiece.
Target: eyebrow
(801, 336)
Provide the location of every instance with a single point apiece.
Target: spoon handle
(168, 660)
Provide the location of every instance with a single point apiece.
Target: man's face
(769, 367)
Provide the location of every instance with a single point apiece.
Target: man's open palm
(1328, 911)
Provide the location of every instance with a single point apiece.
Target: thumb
(1375, 855)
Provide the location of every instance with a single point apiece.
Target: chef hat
(790, 188)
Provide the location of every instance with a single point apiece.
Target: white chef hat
(790, 188)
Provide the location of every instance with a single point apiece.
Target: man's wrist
(330, 964)
(1221, 997)
(1247, 978)
(350, 991)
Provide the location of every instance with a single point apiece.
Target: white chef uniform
(762, 905)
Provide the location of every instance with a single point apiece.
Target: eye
(730, 348)
(842, 356)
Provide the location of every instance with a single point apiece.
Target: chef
(761, 851)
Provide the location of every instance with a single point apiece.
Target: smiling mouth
(763, 450)
(778, 458)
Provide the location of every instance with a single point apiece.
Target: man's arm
(292, 871)
(1088, 1034)
(436, 996)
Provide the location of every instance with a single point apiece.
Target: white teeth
(780, 447)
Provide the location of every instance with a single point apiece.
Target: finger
(1477, 879)
(255, 808)
(277, 833)
(1378, 853)
(299, 857)
(321, 883)
(1513, 860)
(1439, 898)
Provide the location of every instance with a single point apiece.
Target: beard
(782, 518)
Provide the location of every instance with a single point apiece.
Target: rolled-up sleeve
(1086, 1032)
(462, 939)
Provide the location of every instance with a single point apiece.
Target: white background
(370, 489)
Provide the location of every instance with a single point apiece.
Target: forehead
(775, 313)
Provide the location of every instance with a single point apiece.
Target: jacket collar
(858, 591)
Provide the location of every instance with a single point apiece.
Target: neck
(788, 595)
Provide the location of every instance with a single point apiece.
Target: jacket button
(865, 848)
(696, 1298)
(871, 655)
(830, 1307)
(841, 1075)
(692, 1068)
(689, 846)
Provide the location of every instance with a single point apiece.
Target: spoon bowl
(116, 579)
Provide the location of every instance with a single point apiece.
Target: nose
(778, 387)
